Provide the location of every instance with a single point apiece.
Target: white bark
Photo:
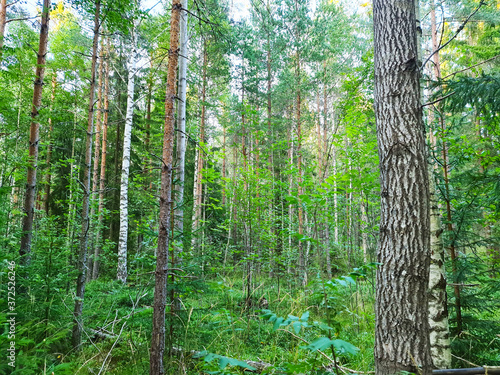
(122, 241)
(181, 119)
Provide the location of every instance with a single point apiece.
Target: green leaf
(223, 362)
(344, 346)
(305, 316)
(296, 327)
(320, 344)
(277, 323)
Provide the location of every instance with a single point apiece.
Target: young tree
(402, 333)
(160, 294)
(82, 253)
(29, 202)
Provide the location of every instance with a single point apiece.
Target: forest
(249, 186)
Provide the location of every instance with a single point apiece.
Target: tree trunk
(29, 202)
(438, 309)
(3, 17)
(121, 273)
(402, 333)
(198, 191)
(181, 121)
(102, 177)
(160, 295)
(82, 256)
(48, 178)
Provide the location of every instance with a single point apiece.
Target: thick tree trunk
(160, 295)
(102, 177)
(82, 256)
(29, 202)
(402, 331)
(121, 273)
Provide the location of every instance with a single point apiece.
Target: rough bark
(82, 256)
(29, 202)
(402, 331)
(102, 176)
(121, 273)
(160, 294)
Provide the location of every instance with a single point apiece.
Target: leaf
(277, 323)
(305, 316)
(320, 344)
(296, 327)
(223, 362)
(345, 346)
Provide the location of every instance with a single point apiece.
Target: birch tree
(127, 136)
(401, 333)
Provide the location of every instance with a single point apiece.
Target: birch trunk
(82, 256)
(181, 120)
(29, 202)
(121, 273)
(438, 309)
(102, 177)
(160, 294)
(401, 333)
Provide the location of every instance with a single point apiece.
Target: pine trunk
(161, 273)
(402, 333)
(3, 18)
(82, 256)
(121, 273)
(29, 202)
(102, 177)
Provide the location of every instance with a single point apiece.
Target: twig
(466, 361)
(460, 28)
(473, 66)
(439, 99)
(112, 347)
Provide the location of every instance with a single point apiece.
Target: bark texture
(160, 295)
(181, 120)
(402, 330)
(121, 274)
(102, 176)
(82, 256)
(29, 202)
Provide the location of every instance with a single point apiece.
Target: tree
(83, 248)
(29, 202)
(402, 333)
(161, 273)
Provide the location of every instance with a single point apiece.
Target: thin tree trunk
(102, 177)
(121, 273)
(199, 164)
(48, 178)
(161, 273)
(82, 256)
(3, 18)
(401, 333)
(438, 309)
(181, 120)
(29, 203)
